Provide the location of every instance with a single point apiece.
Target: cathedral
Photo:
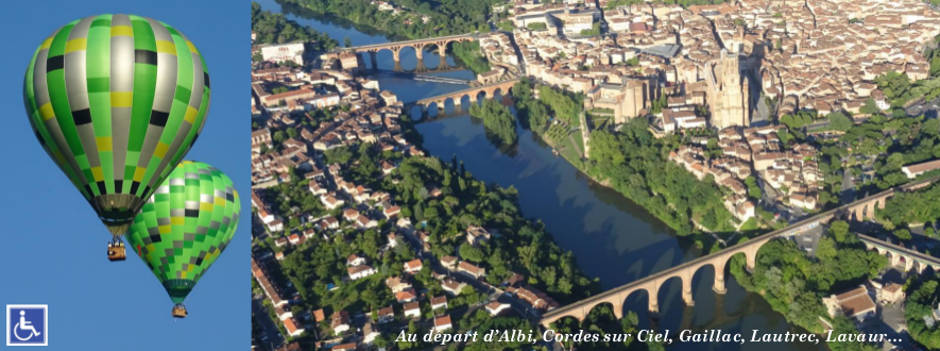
(727, 92)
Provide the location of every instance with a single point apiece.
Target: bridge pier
(687, 295)
(618, 310)
(653, 304)
(374, 60)
(419, 53)
(396, 56)
(719, 285)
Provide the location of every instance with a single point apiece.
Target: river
(611, 237)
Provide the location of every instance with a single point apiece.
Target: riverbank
(457, 17)
(647, 177)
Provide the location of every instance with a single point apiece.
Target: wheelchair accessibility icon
(27, 325)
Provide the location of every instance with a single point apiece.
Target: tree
(839, 230)
(839, 121)
(903, 234)
(753, 190)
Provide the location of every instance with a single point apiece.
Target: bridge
(858, 210)
(488, 90)
(439, 79)
(912, 259)
(418, 45)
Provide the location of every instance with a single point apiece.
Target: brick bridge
(418, 45)
(489, 91)
(912, 259)
(858, 210)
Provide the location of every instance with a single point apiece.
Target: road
(270, 337)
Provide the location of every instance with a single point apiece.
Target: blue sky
(52, 245)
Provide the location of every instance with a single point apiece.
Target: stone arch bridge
(858, 210)
(418, 45)
(912, 259)
(488, 90)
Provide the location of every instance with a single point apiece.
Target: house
(537, 299)
(331, 202)
(360, 271)
(272, 292)
(439, 302)
(914, 170)
(330, 223)
(449, 262)
(442, 323)
(887, 294)
(413, 266)
(339, 322)
(366, 222)
(452, 287)
(496, 307)
(292, 328)
(276, 225)
(855, 303)
(309, 233)
(471, 269)
(392, 240)
(294, 239)
(391, 211)
(369, 333)
(316, 188)
(385, 314)
(407, 295)
(319, 315)
(355, 260)
(412, 310)
(397, 284)
(280, 242)
(477, 235)
(350, 214)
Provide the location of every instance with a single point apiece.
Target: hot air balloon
(116, 101)
(185, 226)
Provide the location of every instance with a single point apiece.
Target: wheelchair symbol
(24, 325)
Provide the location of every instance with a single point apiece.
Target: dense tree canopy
(468, 54)
(923, 297)
(634, 163)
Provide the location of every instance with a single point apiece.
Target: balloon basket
(179, 311)
(116, 251)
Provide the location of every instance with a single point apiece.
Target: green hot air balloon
(185, 226)
(116, 101)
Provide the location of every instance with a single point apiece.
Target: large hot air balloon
(116, 101)
(185, 226)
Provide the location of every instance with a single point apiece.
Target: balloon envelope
(116, 101)
(185, 225)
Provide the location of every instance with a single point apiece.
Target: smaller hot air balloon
(185, 226)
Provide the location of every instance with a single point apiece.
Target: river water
(611, 237)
